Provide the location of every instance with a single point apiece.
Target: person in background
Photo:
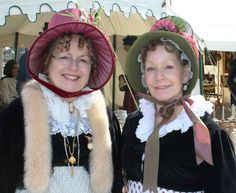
(59, 136)
(8, 83)
(172, 144)
(130, 98)
(23, 74)
(128, 42)
(129, 101)
(231, 81)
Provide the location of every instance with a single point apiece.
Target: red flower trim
(165, 25)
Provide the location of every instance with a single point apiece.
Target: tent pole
(16, 44)
(114, 78)
(1, 61)
(201, 72)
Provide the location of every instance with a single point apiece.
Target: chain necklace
(70, 158)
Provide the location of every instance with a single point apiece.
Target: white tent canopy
(214, 21)
(23, 19)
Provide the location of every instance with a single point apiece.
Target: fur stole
(38, 150)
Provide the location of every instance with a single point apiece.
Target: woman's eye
(169, 67)
(83, 60)
(64, 58)
(149, 69)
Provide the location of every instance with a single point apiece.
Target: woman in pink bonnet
(59, 136)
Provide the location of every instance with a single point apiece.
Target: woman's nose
(159, 75)
(74, 64)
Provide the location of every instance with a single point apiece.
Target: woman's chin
(160, 96)
(71, 89)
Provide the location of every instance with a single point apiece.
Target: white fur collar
(182, 122)
(38, 150)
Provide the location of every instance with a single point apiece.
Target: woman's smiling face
(164, 74)
(69, 69)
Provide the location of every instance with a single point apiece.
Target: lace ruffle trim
(182, 122)
(64, 122)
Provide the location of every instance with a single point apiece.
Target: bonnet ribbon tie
(151, 162)
(202, 142)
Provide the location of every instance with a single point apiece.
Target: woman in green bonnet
(172, 144)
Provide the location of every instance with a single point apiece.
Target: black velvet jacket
(178, 169)
(12, 147)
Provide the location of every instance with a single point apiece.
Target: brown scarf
(202, 140)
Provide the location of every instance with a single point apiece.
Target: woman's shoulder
(217, 133)
(12, 127)
(135, 115)
(212, 125)
(7, 80)
(15, 107)
(12, 114)
(132, 122)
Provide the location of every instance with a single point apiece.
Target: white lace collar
(64, 122)
(182, 122)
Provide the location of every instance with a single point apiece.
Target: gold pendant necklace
(70, 158)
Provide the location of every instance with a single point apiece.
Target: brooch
(90, 144)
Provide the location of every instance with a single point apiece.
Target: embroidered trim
(134, 186)
(182, 122)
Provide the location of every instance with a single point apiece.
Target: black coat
(12, 143)
(178, 169)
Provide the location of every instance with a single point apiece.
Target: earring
(185, 87)
(148, 92)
